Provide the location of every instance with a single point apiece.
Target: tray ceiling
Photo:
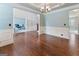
(53, 6)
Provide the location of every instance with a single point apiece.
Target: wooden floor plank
(32, 44)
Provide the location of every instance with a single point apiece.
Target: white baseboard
(5, 42)
(6, 37)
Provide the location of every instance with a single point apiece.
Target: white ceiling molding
(66, 8)
(34, 5)
(15, 5)
(50, 5)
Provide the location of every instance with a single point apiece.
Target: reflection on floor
(32, 44)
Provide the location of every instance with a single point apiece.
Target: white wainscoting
(6, 37)
(56, 31)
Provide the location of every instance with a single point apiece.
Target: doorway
(74, 21)
(25, 21)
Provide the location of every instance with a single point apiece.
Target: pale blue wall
(6, 16)
(57, 19)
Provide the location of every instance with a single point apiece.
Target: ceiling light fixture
(45, 8)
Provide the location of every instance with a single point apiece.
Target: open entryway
(24, 21)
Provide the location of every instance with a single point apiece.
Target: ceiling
(53, 6)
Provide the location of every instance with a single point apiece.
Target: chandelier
(45, 8)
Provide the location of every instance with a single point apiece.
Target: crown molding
(16, 5)
(65, 9)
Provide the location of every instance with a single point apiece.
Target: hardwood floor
(32, 44)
